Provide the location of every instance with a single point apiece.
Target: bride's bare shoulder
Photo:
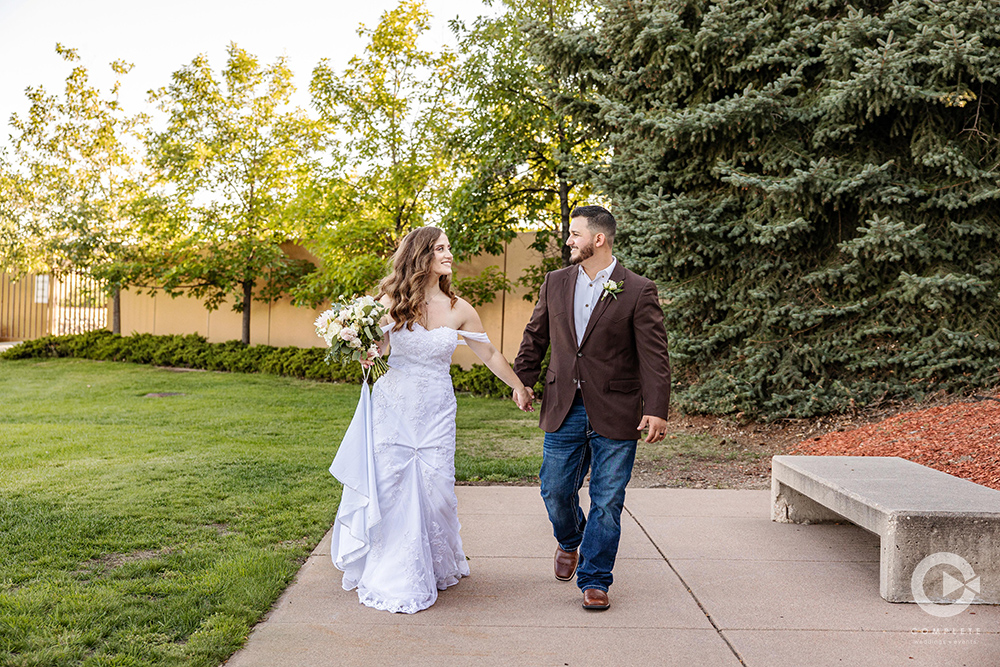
(467, 316)
(463, 307)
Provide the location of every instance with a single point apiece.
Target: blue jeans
(566, 457)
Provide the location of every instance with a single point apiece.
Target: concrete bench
(915, 510)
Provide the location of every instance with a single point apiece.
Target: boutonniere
(613, 288)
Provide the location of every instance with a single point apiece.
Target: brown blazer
(623, 365)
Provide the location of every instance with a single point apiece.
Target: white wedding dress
(396, 534)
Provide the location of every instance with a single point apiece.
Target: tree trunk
(247, 297)
(116, 310)
(564, 213)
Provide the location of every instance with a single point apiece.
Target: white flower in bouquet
(351, 330)
(325, 319)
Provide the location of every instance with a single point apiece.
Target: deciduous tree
(14, 253)
(526, 155)
(392, 109)
(233, 157)
(79, 167)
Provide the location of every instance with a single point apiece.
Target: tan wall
(281, 324)
(506, 316)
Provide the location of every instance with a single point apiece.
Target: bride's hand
(367, 361)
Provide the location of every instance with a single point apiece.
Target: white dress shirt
(587, 294)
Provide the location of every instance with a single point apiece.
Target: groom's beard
(582, 254)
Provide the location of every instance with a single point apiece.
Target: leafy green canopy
(522, 161)
(391, 110)
(233, 158)
(66, 198)
(814, 186)
(15, 250)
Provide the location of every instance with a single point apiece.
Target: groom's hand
(657, 428)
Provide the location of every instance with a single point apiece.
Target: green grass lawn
(142, 530)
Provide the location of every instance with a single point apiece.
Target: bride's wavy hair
(411, 266)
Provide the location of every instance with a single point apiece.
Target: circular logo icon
(944, 584)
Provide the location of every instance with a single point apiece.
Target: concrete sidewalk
(703, 578)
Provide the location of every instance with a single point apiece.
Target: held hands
(657, 428)
(524, 397)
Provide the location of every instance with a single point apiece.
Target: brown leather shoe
(566, 562)
(595, 599)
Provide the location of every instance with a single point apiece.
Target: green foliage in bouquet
(813, 184)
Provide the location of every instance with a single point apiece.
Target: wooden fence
(33, 306)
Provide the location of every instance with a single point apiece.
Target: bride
(398, 542)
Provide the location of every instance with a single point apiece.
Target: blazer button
(579, 354)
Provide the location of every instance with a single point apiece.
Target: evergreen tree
(814, 186)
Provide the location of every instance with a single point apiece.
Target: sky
(160, 37)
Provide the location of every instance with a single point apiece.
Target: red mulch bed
(961, 439)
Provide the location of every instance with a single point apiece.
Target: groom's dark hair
(599, 220)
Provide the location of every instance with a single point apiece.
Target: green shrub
(194, 351)
(479, 380)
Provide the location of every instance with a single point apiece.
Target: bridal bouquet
(352, 331)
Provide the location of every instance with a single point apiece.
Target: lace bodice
(420, 349)
(426, 350)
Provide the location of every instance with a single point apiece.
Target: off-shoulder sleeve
(473, 335)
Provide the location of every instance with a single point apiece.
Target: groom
(608, 380)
